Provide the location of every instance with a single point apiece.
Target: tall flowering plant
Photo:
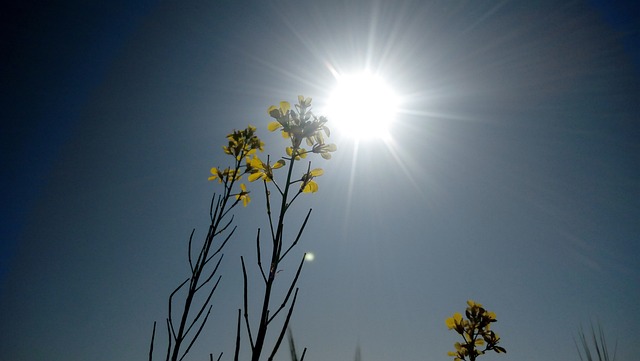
(185, 324)
(297, 125)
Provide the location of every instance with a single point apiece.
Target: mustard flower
(261, 170)
(475, 331)
(298, 124)
(243, 195)
(216, 174)
(308, 185)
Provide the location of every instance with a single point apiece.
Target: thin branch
(268, 198)
(217, 207)
(232, 206)
(223, 244)
(246, 303)
(304, 224)
(170, 339)
(299, 189)
(195, 337)
(204, 305)
(225, 226)
(153, 337)
(170, 319)
(293, 284)
(213, 273)
(237, 351)
(264, 277)
(191, 239)
(284, 327)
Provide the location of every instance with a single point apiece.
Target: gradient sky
(512, 178)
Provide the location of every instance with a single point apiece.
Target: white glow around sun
(362, 106)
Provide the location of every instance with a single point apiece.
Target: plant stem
(275, 257)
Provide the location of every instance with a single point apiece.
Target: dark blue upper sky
(513, 177)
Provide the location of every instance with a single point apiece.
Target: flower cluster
(296, 125)
(242, 143)
(301, 124)
(476, 332)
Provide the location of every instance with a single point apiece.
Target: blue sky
(513, 177)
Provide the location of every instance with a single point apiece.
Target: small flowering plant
(475, 330)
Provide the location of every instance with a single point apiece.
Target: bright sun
(362, 106)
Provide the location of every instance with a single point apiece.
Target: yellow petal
(289, 151)
(256, 163)
(310, 187)
(450, 323)
(273, 111)
(317, 172)
(286, 135)
(278, 164)
(273, 126)
(255, 176)
(457, 318)
(284, 107)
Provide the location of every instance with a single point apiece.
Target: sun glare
(362, 106)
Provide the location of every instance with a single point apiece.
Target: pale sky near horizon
(512, 176)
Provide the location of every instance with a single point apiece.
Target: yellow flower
(453, 322)
(261, 170)
(324, 149)
(308, 185)
(216, 174)
(472, 303)
(306, 102)
(299, 124)
(243, 142)
(276, 112)
(272, 126)
(300, 153)
(243, 195)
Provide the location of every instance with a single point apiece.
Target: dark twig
(195, 337)
(153, 337)
(293, 284)
(304, 224)
(284, 327)
(246, 302)
(264, 277)
(237, 351)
